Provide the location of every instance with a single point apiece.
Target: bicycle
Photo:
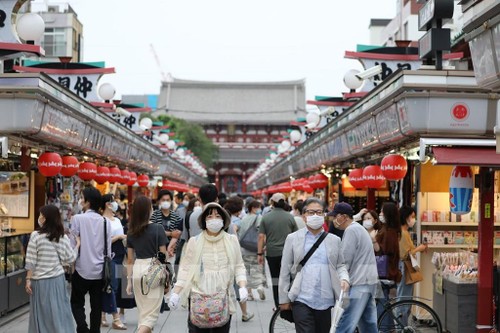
(421, 318)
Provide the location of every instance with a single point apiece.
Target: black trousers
(223, 329)
(308, 320)
(79, 288)
(274, 264)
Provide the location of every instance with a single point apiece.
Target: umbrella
(337, 312)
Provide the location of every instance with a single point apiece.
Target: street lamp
(352, 81)
(30, 27)
(106, 91)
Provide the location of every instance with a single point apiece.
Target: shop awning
(480, 156)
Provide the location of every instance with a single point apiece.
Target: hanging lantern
(143, 180)
(102, 175)
(125, 177)
(373, 177)
(394, 167)
(133, 178)
(308, 189)
(70, 166)
(461, 189)
(286, 187)
(356, 178)
(321, 180)
(115, 175)
(311, 181)
(87, 171)
(49, 164)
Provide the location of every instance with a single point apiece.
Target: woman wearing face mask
(109, 207)
(371, 224)
(48, 250)
(211, 263)
(406, 247)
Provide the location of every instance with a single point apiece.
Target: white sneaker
(261, 292)
(122, 319)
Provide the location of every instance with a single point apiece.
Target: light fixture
(295, 135)
(369, 73)
(30, 27)
(122, 112)
(145, 124)
(106, 91)
(351, 80)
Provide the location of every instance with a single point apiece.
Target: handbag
(107, 272)
(382, 265)
(248, 240)
(209, 311)
(297, 281)
(414, 262)
(411, 274)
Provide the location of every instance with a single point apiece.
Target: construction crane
(165, 77)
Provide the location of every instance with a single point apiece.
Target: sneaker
(262, 294)
(247, 317)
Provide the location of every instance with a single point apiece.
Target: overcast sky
(227, 40)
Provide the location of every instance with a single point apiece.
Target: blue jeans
(404, 291)
(361, 311)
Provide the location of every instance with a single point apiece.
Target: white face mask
(40, 221)
(114, 206)
(197, 209)
(381, 218)
(185, 203)
(315, 221)
(165, 205)
(368, 224)
(214, 225)
(80, 205)
(411, 223)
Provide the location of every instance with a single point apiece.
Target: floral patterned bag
(209, 311)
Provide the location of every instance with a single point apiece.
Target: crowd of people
(218, 247)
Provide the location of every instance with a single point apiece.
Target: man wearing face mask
(312, 293)
(359, 257)
(171, 222)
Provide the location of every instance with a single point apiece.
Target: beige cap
(278, 196)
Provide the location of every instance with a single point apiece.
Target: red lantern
(143, 180)
(356, 178)
(102, 175)
(394, 167)
(311, 181)
(286, 187)
(133, 178)
(125, 178)
(70, 166)
(49, 164)
(115, 175)
(373, 177)
(87, 171)
(308, 189)
(321, 180)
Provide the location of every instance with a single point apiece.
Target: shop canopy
(480, 156)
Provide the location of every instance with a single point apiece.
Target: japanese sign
(84, 85)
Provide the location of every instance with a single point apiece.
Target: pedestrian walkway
(169, 321)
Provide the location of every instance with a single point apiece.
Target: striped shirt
(45, 258)
(169, 223)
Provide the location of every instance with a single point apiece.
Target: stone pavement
(169, 321)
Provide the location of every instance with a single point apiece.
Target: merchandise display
(458, 267)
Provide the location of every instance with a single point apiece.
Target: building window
(54, 42)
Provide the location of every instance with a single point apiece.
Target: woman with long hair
(108, 208)
(49, 250)
(211, 263)
(144, 241)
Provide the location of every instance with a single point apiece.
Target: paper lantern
(311, 181)
(308, 189)
(115, 175)
(102, 175)
(356, 178)
(321, 180)
(143, 180)
(286, 187)
(70, 166)
(125, 177)
(50, 164)
(133, 178)
(394, 167)
(87, 171)
(461, 189)
(373, 177)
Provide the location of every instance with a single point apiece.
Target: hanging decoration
(50, 164)
(115, 175)
(133, 178)
(102, 175)
(125, 179)
(373, 177)
(143, 180)
(70, 166)
(461, 189)
(356, 178)
(394, 167)
(87, 171)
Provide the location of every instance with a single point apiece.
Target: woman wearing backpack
(248, 235)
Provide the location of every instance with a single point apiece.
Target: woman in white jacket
(211, 263)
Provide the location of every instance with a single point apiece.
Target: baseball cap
(277, 197)
(341, 208)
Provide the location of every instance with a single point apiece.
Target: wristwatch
(260, 254)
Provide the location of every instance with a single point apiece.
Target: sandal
(104, 323)
(118, 325)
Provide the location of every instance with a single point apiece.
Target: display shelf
(456, 246)
(454, 224)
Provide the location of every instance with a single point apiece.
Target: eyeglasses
(313, 212)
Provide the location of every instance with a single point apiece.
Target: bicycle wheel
(280, 325)
(408, 316)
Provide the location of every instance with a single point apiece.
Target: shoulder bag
(412, 275)
(107, 272)
(382, 265)
(159, 272)
(248, 240)
(209, 311)
(297, 281)
(68, 269)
